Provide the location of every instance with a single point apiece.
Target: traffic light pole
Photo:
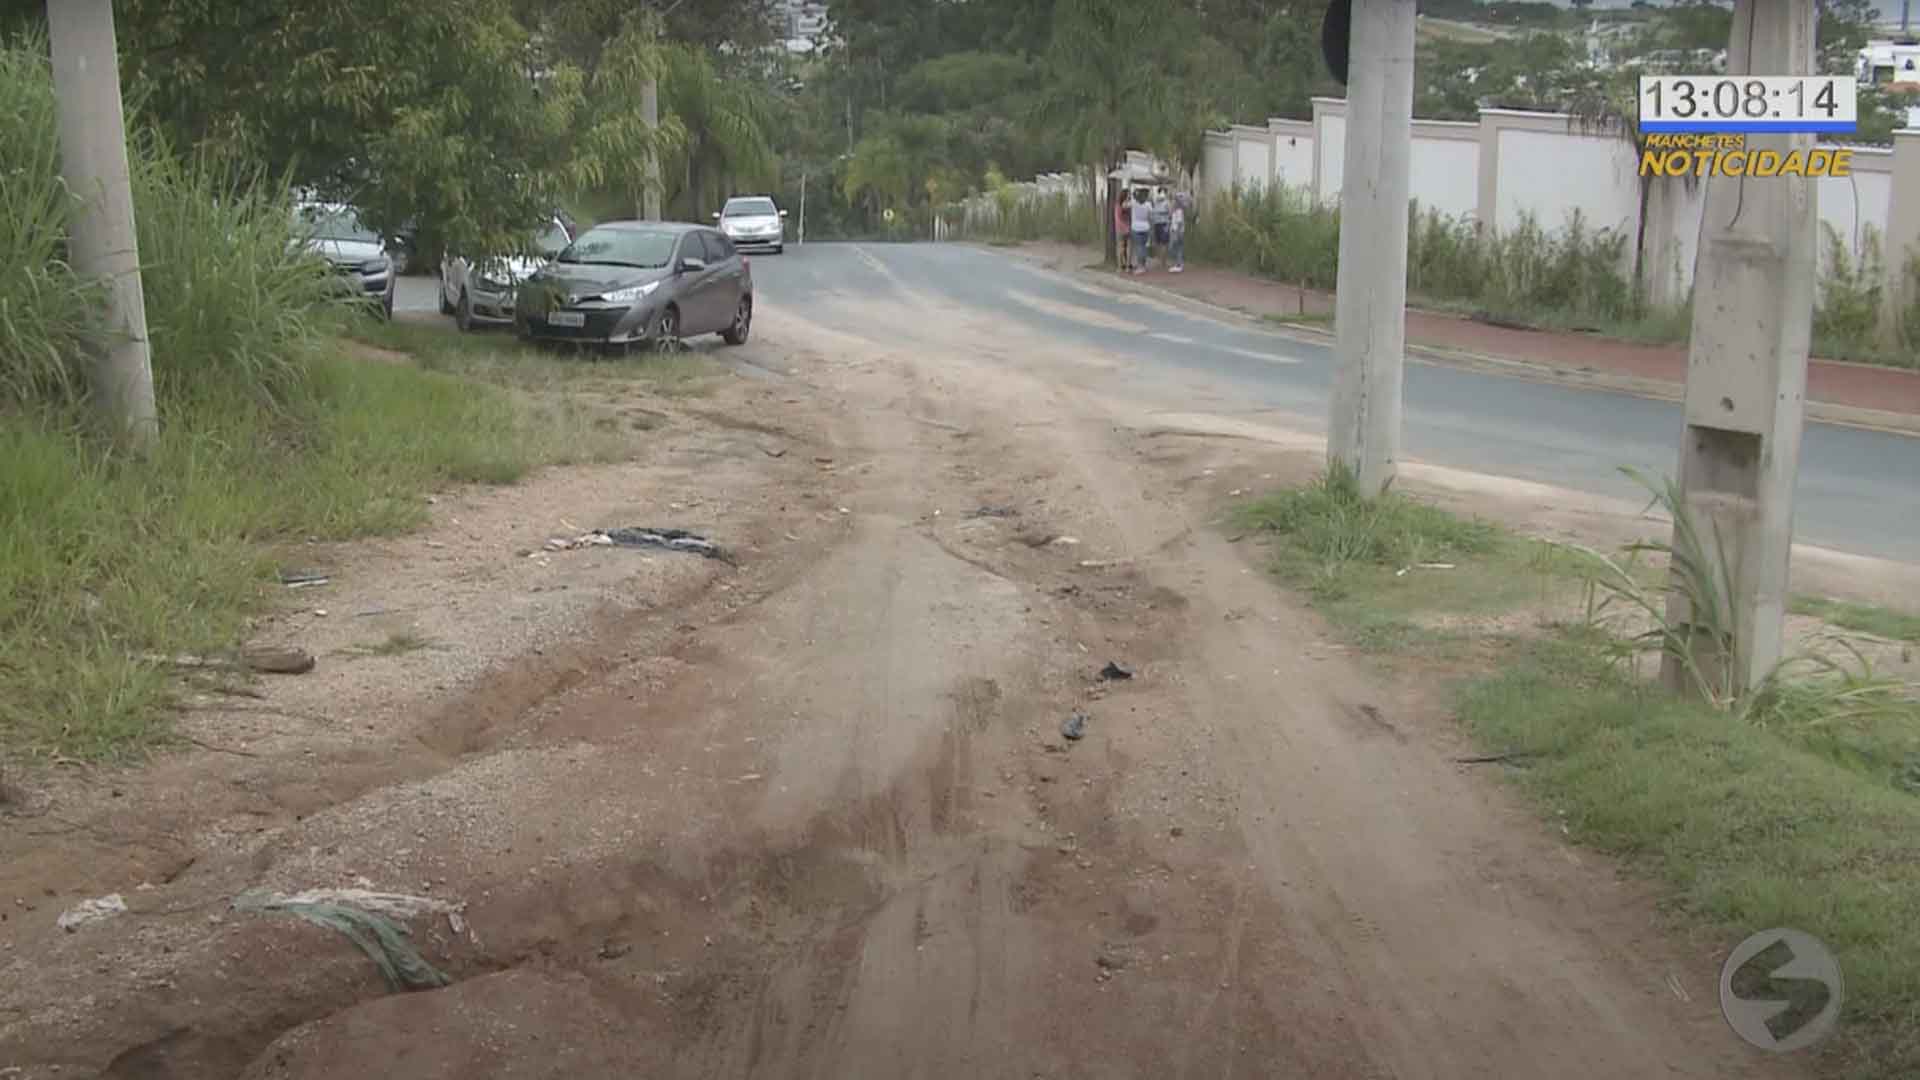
(1746, 381)
(93, 161)
(1370, 299)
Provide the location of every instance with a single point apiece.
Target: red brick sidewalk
(1857, 386)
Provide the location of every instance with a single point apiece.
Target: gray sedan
(627, 282)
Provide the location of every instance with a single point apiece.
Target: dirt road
(814, 815)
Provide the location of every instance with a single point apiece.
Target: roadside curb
(1891, 423)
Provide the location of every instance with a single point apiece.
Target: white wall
(1446, 175)
(1250, 154)
(1216, 166)
(1854, 204)
(1551, 174)
(1332, 148)
(1293, 159)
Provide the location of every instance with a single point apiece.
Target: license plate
(566, 318)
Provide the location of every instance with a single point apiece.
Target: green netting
(383, 939)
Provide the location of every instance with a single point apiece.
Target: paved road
(1859, 490)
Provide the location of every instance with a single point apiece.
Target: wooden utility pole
(1370, 295)
(93, 159)
(1747, 377)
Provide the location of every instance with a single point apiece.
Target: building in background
(800, 24)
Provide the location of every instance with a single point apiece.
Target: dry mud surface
(812, 815)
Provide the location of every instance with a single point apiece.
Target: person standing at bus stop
(1177, 237)
(1142, 229)
(1161, 216)
(1123, 230)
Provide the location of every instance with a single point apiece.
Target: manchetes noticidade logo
(1728, 155)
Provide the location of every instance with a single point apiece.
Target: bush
(1909, 326)
(44, 310)
(226, 296)
(1276, 232)
(1578, 274)
(1846, 315)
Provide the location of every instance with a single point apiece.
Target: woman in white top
(1142, 228)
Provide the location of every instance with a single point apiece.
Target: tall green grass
(1577, 274)
(270, 435)
(43, 309)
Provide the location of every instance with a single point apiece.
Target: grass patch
(1795, 805)
(1310, 318)
(496, 356)
(1880, 622)
(1799, 823)
(1380, 569)
(270, 432)
(105, 559)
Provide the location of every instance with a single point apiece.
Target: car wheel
(667, 335)
(779, 249)
(441, 288)
(463, 313)
(742, 325)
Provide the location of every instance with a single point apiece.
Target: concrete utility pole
(650, 112)
(1747, 372)
(1370, 301)
(93, 159)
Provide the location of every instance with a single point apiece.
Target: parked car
(625, 282)
(358, 255)
(481, 292)
(753, 221)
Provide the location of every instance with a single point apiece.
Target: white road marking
(1255, 354)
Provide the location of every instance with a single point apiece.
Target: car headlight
(630, 294)
(375, 266)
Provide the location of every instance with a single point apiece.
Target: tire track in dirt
(835, 832)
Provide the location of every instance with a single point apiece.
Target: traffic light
(1335, 35)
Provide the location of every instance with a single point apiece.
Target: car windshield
(750, 208)
(334, 223)
(552, 240)
(645, 248)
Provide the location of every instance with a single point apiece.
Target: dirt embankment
(813, 814)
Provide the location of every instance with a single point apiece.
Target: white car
(752, 221)
(481, 293)
(359, 257)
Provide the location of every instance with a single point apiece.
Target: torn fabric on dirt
(377, 934)
(669, 539)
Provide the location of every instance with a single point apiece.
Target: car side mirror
(690, 265)
(716, 215)
(783, 213)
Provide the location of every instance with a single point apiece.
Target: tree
(726, 123)
(617, 146)
(1844, 29)
(879, 173)
(451, 116)
(1614, 108)
(579, 26)
(1109, 90)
